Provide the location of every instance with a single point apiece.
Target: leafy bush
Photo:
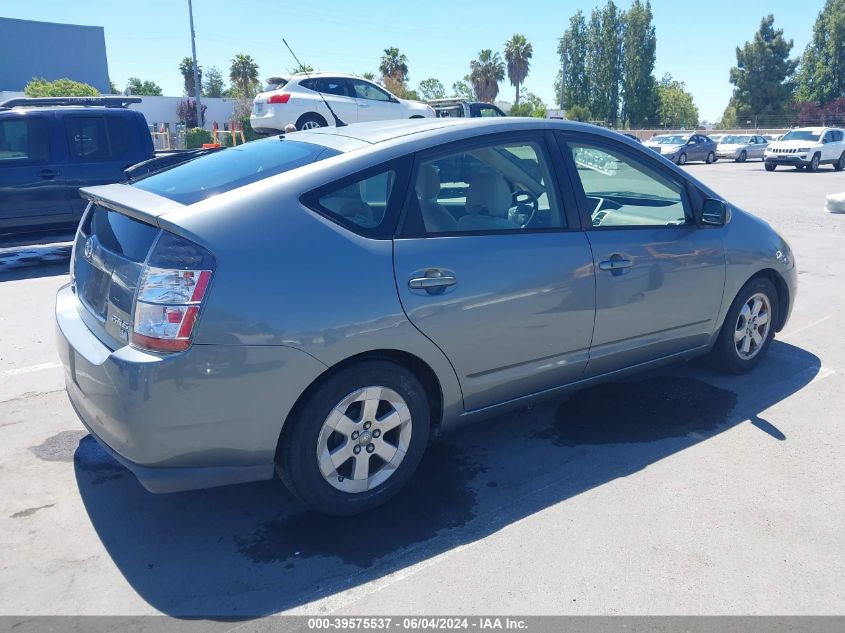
(578, 113)
(196, 136)
(531, 105)
(40, 87)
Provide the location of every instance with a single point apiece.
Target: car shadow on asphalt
(251, 550)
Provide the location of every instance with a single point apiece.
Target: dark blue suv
(51, 147)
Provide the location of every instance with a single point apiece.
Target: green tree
(763, 73)
(604, 54)
(113, 88)
(639, 45)
(40, 87)
(676, 108)
(518, 54)
(213, 85)
(301, 68)
(431, 89)
(463, 89)
(186, 69)
(531, 105)
(573, 51)
(485, 74)
(243, 73)
(394, 64)
(821, 78)
(135, 86)
(579, 113)
(369, 76)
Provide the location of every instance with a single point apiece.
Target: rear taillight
(279, 98)
(170, 294)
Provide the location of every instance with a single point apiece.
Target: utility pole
(197, 86)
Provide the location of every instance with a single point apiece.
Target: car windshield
(801, 135)
(232, 168)
(673, 140)
(736, 140)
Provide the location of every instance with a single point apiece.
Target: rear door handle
(48, 174)
(424, 283)
(615, 264)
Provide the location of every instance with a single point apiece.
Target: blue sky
(695, 40)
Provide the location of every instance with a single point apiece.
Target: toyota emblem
(89, 248)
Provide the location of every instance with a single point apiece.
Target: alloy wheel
(752, 326)
(311, 125)
(364, 439)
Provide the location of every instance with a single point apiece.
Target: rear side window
(87, 138)
(327, 85)
(366, 203)
(24, 140)
(232, 168)
(118, 130)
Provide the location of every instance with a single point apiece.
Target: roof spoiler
(109, 102)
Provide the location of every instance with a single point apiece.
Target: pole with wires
(197, 85)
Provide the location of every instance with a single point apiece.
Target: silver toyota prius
(322, 304)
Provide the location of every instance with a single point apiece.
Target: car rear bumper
(206, 417)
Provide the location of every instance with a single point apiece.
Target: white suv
(297, 100)
(808, 147)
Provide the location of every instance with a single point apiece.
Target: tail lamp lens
(169, 298)
(280, 98)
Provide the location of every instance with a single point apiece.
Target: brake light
(279, 98)
(173, 286)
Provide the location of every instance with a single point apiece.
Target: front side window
(24, 140)
(504, 186)
(623, 191)
(366, 90)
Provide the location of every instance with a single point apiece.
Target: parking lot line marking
(806, 327)
(29, 370)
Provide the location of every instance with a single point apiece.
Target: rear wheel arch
(421, 370)
(311, 116)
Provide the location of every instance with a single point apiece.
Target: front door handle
(47, 174)
(433, 281)
(615, 263)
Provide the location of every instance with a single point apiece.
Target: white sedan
(297, 101)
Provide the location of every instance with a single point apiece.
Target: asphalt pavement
(682, 491)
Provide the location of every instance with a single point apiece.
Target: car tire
(737, 350)
(743, 156)
(682, 159)
(814, 163)
(711, 158)
(310, 121)
(346, 406)
(770, 166)
(840, 164)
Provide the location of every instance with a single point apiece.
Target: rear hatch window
(232, 168)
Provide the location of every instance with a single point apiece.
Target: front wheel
(742, 157)
(711, 158)
(814, 163)
(748, 329)
(770, 166)
(682, 159)
(357, 439)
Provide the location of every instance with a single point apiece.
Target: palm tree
(394, 64)
(485, 74)
(186, 67)
(243, 73)
(518, 54)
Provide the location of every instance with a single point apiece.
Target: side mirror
(714, 212)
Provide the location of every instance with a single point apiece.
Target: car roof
(374, 132)
(320, 73)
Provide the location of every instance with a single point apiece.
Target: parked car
(461, 108)
(741, 147)
(654, 141)
(291, 303)
(716, 138)
(682, 148)
(51, 147)
(771, 138)
(352, 98)
(632, 137)
(808, 147)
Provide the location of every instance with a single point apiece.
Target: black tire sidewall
(742, 157)
(840, 164)
(682, 159)
(814, 164)
(297, 460)
(725, 350)
(305, 118)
